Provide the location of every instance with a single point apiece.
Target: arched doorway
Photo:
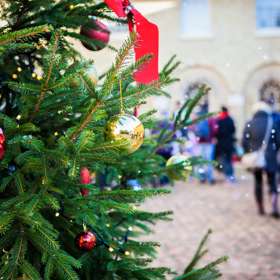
(263, 83)
(270, 92)
(194, 77)
(193, 89)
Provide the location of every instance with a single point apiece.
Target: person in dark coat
(225, 137)
(253, 137)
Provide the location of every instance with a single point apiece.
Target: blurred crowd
(214, 141)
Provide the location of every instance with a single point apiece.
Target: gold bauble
(180, 172)
(127, 128)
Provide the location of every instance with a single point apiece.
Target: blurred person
(167, 150)
(205, 134)
(225, 143)
(264, 124)
(276, 118)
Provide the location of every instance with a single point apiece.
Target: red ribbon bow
(146, 42)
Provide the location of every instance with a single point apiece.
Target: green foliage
(54, 126)
(208, 272)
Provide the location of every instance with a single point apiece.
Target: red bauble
(86, 241)
(85, 176)
(2, 151)
(98, 32)
(84, 192)
(2, 144)
(85, 179)
(2, 137)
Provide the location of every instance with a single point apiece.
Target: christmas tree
(58, 125)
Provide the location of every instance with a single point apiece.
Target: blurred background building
(232, 46)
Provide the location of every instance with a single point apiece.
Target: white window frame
(265, 31)
(186, 31)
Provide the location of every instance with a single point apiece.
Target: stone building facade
(231, 45)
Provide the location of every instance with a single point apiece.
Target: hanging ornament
(2, 144)
(86, 240)
(2, 151)
(127, 128)
(98, 32)
(85, 179)
(180, 172)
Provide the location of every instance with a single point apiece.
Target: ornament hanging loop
(84, 227)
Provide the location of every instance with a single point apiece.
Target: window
(195, 18)
(268, 14)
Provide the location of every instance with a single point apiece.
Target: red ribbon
(146, 42)
(116, 6)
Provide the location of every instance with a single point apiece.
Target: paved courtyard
(251, 242)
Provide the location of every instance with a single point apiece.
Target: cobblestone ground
(252, 242)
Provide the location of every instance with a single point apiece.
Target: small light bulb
(71, 7)
(127, 253)
(56, 133)
(57, 214)
(18, 117)
(107, 225)
(34, 75)
(111, 249)
(19, 69)
(14, 76)
(130, 229)
(39, 78)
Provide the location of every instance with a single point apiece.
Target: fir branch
(24, 33)
(85, 82)
(121, 58)
(17, 252)
(199, 253)
(30, 271)
(86, 120)
(49, 72)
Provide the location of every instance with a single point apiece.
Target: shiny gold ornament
(125, 127)
(180, 172)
